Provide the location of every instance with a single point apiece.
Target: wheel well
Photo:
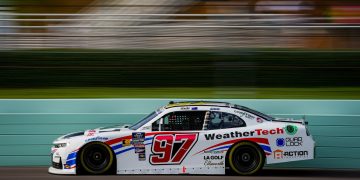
(227, 153)
(78, 166)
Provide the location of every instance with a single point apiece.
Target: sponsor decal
(91, 132)
(236, 134)
(213, 157)
(138, 137)
(194, 108)
(140, 150)
(280, 154)
(294, 141)
(259, 120)
(214, 109)
(66, 166)
(280, 142)
(142, 157)
(244, 114)
(126, 142)
(238, 112)
(291, 129)
(171, 148)
(98, 138)
(212, 163)
(139, 145)
(214, 160)
(296, 153)
(183, 108)
(183, 169)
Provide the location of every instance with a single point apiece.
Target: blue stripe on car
(72, 155)
(266, 148)
(224, 147)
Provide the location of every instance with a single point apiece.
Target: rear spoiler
(299, 121)
(290, 120)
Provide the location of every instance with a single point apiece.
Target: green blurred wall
(27, 127)
(179, 68)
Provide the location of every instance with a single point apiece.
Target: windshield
(143, 121)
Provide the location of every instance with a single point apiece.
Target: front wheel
(246, 158)
(96, 158)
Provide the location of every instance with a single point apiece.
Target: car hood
(92, 132)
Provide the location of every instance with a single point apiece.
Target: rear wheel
(246, 158)
(96, 158)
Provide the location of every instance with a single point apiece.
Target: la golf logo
(291, 129)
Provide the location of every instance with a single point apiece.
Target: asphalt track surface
(267, 174)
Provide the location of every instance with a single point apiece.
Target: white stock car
(186, 138)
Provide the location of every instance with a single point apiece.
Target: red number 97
(164, 151)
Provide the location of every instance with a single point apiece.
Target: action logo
(280, 154)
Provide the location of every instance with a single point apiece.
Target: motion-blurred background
(180, 48)
(228, 50)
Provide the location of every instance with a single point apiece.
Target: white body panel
(207, 149)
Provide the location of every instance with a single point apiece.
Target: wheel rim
(96, 158)
(246, 159)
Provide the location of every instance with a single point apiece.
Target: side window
(182, 121)
(155, 125)
(222, 120)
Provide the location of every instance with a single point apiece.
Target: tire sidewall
(86, 168)
(258, 151)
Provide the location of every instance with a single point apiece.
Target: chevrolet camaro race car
(186, 138)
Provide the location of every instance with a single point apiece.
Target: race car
(199, 137)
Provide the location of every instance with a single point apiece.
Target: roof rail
(197, 103)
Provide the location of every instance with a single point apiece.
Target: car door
(175, 140)
(218, 133)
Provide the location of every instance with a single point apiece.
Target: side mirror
(126, 126)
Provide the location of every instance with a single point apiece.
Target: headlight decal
(60, 145)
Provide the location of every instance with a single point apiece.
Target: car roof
(197, 103)
(173, 104)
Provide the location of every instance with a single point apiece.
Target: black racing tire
(246, 158)
(96, 158)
